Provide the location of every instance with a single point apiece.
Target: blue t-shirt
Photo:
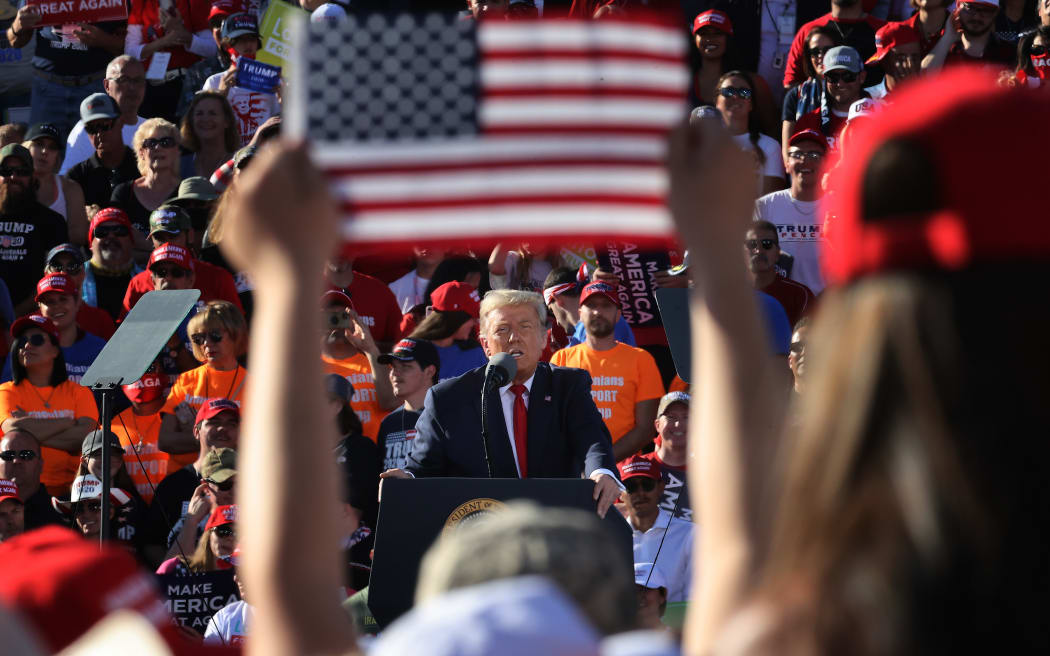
(621, 331)
(456, 361)
(777, 323)
(78, 357)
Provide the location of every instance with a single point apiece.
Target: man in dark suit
(543, 424)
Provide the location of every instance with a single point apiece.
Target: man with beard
(969, 38)
(28, 230)
(794, 210)
(111, 267)
(112, 162)
(625, 381)
(848, 20)
(761, 252)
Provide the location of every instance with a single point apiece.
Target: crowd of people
(144, 166)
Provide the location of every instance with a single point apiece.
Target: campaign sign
(636, 269)
(257, 76)
(276, 30)
(61, 12)
(193, 599)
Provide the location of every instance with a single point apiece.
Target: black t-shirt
(124, 197)
(170, 503)
(67, 56)
(98, 180)
(359, 461)
(27, 233)
(110, 290)
(396, 432)
(39, 511)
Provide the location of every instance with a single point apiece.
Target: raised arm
(291, 570)
(737, 400)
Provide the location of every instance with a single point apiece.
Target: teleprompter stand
(127, 355)
(414, 512)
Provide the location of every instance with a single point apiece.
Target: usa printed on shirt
(438, 129)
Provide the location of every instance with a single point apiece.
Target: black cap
(65, 248)
(93, 442)
(38, 130)
(409, 349)
(339, 387)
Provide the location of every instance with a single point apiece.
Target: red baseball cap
(8, 490)
(636, 466)
(809, 135)
(458, 297)
(213, 407)
(56, 282)
(714, 18)
(108, 215)
(889, 36)
(975, 220)
(337, 295)
(601, 289)
(63, 585)
(221, 516)
(171, 253)
(220, 9)
(21, 324)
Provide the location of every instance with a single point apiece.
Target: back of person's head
(910, 521)
(459, 268)
(569, 547)
(563, 276)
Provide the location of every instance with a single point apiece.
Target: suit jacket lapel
(503, 465)
(541, 415)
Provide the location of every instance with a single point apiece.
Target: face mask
(234, 55)
(146, 389)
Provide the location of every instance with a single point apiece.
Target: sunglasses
(111, 231)
(25, 455)
(163, 142)
(94, 127)
(802, 155)
(89, 506)
(225, 486)
(632, 484)
(15, 172)
(752, 244)
(818, 53)
(200, 338)
(71, 269)
(225, 532)
(836, 77)
(172, 272)
(36, 339)
(731, 92)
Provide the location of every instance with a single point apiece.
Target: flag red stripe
(495, 201)
(595, 54)
(547, 92)
(482, 165)
(619, 129)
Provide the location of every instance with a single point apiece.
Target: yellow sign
(276, 30)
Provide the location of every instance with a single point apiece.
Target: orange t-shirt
(678, 385)
(142, 433)
(358, 372)
(67, 401)
(198, 385)
(620, 378)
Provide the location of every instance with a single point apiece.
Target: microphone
(500, 370)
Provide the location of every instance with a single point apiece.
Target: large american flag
(433, 128)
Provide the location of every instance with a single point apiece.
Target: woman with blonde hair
(209, 133)
(219, 338)
(214, 548)
(156, 147)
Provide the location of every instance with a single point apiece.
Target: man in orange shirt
(352, 353)
(625, 381)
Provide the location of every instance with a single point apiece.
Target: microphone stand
(485, 422)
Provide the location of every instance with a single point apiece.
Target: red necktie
(521, 428)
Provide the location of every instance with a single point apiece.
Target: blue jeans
(58, 104)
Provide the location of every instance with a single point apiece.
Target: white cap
(862, 107)
(648, 575)
(329, 12)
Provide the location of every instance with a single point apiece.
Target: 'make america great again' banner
(61, 12)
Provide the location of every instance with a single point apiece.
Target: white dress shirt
(676, 554)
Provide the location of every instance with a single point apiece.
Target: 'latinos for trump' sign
(61, 12)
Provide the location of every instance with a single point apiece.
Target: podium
(414, 512)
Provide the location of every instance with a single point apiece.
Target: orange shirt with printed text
(140, 434)
(620, 378)
(358, 372)
(198, 385)
(68, 401)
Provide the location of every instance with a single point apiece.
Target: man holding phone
(969, 38)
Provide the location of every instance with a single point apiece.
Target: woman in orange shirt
(42, 401)
(220, 336)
